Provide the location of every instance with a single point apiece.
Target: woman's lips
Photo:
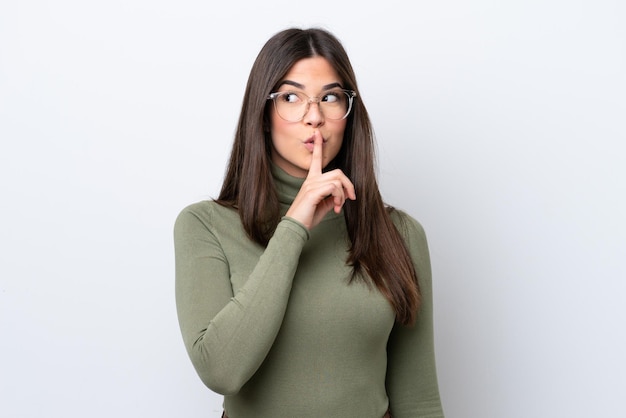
(310, 143)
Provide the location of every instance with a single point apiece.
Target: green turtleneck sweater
(281, 333)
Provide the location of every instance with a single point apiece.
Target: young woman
(299, 292)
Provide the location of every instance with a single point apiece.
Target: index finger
(317, 158)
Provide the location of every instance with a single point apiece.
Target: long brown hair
(377, 249)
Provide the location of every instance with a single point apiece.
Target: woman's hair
(377, 249)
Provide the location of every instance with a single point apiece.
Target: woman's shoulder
(200, 209)
(407, 225)
(415, 239)
(207, 213)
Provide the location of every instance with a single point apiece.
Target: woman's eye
(331, 97)
(291, 98)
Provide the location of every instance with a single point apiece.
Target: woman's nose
(314, 116)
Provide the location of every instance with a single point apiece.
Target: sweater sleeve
(227, 336)
(411, 373)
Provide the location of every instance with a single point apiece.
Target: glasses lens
(334, 104)
(292, 106)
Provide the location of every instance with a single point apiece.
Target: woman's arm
(411, 373)
(228, 335)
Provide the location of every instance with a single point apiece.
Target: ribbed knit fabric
(281, 333)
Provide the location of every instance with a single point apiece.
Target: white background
(501, 127)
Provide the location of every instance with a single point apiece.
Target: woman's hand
(321, 192)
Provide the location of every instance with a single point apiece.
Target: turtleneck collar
(288, 186)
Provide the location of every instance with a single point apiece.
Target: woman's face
(292, 146)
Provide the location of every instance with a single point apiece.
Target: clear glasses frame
(351, 94)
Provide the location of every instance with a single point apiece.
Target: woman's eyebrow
(301, 86)
(291, 83)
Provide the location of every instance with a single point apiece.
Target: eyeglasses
(293, 106)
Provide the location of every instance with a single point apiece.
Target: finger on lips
(317, 157)
(342, 186)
